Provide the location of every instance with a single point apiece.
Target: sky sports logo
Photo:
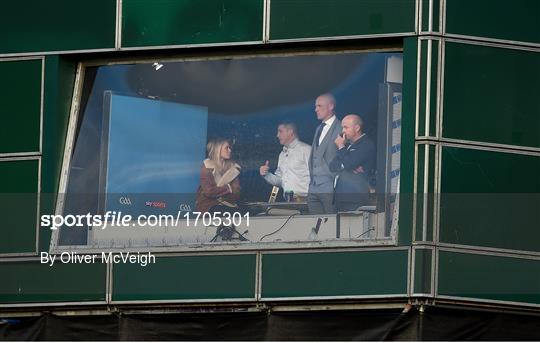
(156, 204)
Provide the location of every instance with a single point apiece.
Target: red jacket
(208, 192)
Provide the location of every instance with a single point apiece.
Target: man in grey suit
(323, 151)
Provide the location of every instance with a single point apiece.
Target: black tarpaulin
(357, 325)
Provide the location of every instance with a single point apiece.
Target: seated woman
(219, 188)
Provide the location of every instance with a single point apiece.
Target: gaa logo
(185, 207)
(125, 201)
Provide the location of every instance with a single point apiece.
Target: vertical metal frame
(425, 193)
(109, 283)
(418, 16)
(442, 15)
(438, 154)
(266, 21)
(430, 16)
(414, 195)
(418, 74)
(413, 270)
(410, 271)
(118, 36)
(68, 148)
(428, 87)
(435, 272)
(42, 105)
(38, 206)
(416, 128)
(440, 30)
(258, 276)
(437, 192)
(439, 134)
(424, 182)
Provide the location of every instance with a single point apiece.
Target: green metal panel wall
(517, 20)
(422, 271)
(334, 274)
(433, 12)
(187, 278)
(427, 105)
(24, 282)
(490, 199)
(60, 25)
(174, 22)
(489, 277)
(424, 220)
(293, 19)
(407, 141)
(18, 205)
(491, 95)
(20, 105)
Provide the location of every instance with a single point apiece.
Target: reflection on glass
(142, 137)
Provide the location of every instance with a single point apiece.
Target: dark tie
(318, 135)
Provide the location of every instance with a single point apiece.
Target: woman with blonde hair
(219, 188)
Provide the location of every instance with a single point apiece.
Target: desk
(265, 207)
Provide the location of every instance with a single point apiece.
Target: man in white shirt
(323, 150)
(292, 173)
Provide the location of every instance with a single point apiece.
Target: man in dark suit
(323, 150)
(354, 162)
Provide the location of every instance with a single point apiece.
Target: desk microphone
(315, 230)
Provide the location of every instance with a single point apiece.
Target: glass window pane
(181, 152)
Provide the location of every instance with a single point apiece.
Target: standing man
(323, 151)
(354, 162)
(292, 173)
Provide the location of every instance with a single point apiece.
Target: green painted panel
(37, 25)
(59, 80)
(422, 271)
(175, 22)
(435, 12)
(490, 199)
(425, 198)
(32, 282)
(425, 15)
(420, 194)
(406, 193)
(491, 95)
(433, 86)
(422, 89)
(516, 20)
(334, 274)
(291, 19)
(18, 205)
(20, 105)
(489, 277)
(430, 196)
(188, 277)
(430, 84)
